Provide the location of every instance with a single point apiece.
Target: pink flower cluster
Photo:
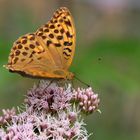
(51, 114)
(88, 100)
(7, 115)
(48, 98)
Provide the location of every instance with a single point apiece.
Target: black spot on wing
(62, 31)
(56, 31)
(46, 30)
(68, 49)
(51, 35)
(17, 52)
(68, 23)
(66, 43)
(24, 41)
(66, 54)
(52, 26)
(19, 46)
(32, 46)
(48, 42)
(16, 59)
(59, 37)
(68, 34)
(57, 45)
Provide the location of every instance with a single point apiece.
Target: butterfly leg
(68, 82)
(72, 83)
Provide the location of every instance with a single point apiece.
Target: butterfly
(48, 52)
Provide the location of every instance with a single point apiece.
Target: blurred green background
(107, 57)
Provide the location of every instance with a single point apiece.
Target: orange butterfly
(48, 52)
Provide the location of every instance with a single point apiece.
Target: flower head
(48, 97)
(51, 114)
(7, 116)
(88, 100)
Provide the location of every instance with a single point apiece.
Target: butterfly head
(69, 75)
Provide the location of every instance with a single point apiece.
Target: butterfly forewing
(59, 36)
(49, 51)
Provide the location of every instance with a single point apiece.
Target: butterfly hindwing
(29, 56)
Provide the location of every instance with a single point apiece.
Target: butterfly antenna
(82, 81)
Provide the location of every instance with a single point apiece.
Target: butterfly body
(48, 52)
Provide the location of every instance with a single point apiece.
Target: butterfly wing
(59, 36)
(49, 51)
(29, 57)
